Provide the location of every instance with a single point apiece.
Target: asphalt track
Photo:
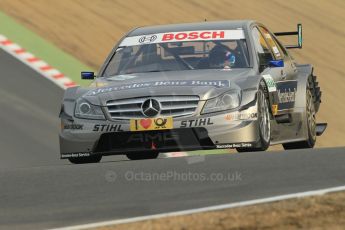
(38, 191)
(28, 117)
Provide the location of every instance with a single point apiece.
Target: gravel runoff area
(316, 212)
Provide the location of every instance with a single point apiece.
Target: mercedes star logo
(151, 108)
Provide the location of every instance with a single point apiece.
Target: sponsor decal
(274, 109)
(151, 124)
(194, 35)
(73, 126)
(276, 51)
(152, 137)
(75, 155)
(241, 116)
(196, 123)
(196, 83)
(182, 36)
(151, 107)
(234, 145)
(286, 94)
(147, 39)
(271, 85)
(107, 128)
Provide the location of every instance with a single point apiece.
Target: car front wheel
(264, 124)
(311, 126)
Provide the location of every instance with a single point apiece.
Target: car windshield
(147, 56)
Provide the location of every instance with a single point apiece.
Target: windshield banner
(184, 36)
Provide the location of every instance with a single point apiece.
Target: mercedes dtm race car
(209, 85)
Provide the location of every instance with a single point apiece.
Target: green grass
(43, 49)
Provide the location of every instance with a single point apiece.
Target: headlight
(226, 101)
(86, 110)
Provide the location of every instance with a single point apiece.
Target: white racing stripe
(25, 55)
(13, 46)
(35, 63)
(2, 38)
(207, 209)
(39, 64)
(53, 72)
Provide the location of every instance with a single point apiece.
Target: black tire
(86, 160)
(145, 155)
(311, 125)
(264, 117)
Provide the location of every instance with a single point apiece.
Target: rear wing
(298, 33)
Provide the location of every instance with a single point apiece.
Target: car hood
(204, 83)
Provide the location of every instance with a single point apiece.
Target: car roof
(211, 25)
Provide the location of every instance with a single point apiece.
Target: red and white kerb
(35, 63)
(184, 36)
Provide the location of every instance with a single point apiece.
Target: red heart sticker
(146, 123)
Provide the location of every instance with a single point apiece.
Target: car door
(289, 70)
(264, 55)
(286, 83)
(284, 77)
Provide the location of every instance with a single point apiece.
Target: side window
(124, 57)
(277, 51)
(261, 46)
(112, 66)
(281, 47)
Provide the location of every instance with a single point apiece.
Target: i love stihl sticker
(151, 124)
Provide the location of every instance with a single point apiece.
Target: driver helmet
(221, 57)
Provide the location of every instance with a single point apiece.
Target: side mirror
(276, 63)
(86, 75)
(265, 58)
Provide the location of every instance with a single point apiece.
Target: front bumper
(82, 137)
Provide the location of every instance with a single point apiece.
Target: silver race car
(209, 85)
